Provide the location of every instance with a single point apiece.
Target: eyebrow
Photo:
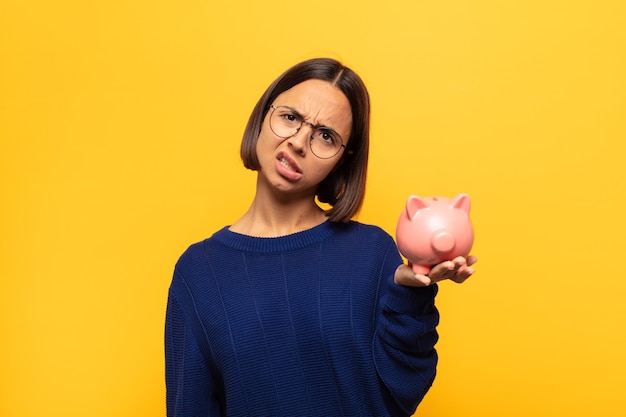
(316, 126)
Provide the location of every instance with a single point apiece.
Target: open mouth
(288, 163)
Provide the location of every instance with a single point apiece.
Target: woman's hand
(458, 270)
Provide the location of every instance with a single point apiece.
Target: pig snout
(442, 242)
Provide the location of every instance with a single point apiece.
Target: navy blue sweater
(309, 324)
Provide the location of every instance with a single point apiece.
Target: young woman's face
(288, 164)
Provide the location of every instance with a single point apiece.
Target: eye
(289, 118)
(327, 136)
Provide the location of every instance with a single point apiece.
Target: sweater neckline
(292, 241)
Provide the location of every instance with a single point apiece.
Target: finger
(459, 262)
(471, 260)
(463, 274)
(447, 270)
(415, 280)
(419, 280)
(439, 271)
(406, 277)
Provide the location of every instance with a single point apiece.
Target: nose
(442, 242)
(299, 141)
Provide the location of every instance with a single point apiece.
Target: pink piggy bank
(434, 229)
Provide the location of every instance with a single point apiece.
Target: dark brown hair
(344, 188)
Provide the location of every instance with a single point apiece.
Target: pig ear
(462, 201)
(414, 204)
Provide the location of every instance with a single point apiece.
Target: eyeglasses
(324, 142)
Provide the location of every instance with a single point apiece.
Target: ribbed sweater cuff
(410, 300)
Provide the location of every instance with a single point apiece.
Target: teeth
(285, 162)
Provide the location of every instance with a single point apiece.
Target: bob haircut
(344, 187)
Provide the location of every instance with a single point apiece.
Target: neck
(272, 215)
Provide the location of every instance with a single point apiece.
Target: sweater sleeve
(404, 344)
(190, 388)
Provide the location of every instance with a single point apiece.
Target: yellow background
(120, 124)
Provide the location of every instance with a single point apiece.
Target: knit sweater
(308, 324)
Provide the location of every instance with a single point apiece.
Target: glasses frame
(313, 126)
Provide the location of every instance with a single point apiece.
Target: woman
(294, 310)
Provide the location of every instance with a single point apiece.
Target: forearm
(404, 346)
(190, 390)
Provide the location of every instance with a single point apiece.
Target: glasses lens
(284, 123)
(325, 143)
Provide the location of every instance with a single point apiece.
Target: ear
(413, 205)
(462, 201)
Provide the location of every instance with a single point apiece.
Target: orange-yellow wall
(120, 123)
